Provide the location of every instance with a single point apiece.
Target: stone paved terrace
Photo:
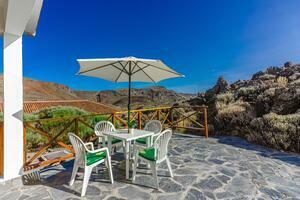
(214, 168)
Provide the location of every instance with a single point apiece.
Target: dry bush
(277, 131)
(224, 99)
(282, 81)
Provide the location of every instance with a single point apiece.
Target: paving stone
(145, 180)
(62, 193)
(12, 195)
(227, 171)
(23, 196)
(214, 168)
(209, 184)
(92, 191)
(168, 185)
(185, 171)
(210, 195)
(185, 180)
(224, 195)
(274, 194)
(194, 194)
(241, 186)
(115, 198)
(216, 161)
(223, 178)
(177, 196)
(131, 192)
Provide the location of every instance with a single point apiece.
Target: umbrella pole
(129, 95)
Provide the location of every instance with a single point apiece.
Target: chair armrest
(89, 144)
(137, 148)
(100, 150)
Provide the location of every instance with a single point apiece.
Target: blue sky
(201, 39)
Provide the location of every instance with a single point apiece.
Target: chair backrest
(79, 148)
(161, 144)
(102, 127)
(154, 126)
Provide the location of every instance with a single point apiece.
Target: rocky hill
(264, 109)
(35, 90)
(146, 97)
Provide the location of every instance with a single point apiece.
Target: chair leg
(154, 171)
(108, 164)
(169, 167)
(135, 166)
(75, 170)
(86, 178)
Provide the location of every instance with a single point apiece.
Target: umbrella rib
(148, 75)
(124, 67)
(121, 71)
(161, 68)
(135, 64)
(98, 67)
(141, 68)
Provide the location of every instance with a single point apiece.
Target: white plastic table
(127, 138)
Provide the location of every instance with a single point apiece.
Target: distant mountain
(144, 97)
(35, 90)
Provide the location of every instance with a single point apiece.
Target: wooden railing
(52, 133)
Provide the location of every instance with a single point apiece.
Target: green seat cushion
(148, 154)
(114, 141)
(141, 140)
(92, 158)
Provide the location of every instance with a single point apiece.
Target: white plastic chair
(88, 159)
(153, 126)
(102, 127)
(154, 155)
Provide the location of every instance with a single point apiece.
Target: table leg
(109, 139)
(149, 144)
(127, 159)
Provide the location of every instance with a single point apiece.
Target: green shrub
(53, 127)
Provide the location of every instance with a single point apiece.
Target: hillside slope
(35, 90)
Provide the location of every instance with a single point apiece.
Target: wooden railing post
(139, 120)
(158, 114)
(205, 122)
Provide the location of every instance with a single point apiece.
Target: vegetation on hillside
(264, 109)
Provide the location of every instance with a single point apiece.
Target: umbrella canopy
(127, 69)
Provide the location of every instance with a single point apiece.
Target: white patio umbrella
(127, 69)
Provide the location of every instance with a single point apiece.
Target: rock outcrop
(264, 109)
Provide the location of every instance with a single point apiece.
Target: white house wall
(13, 103)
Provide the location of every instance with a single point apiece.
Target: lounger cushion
(148, 154)
(92, 158)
